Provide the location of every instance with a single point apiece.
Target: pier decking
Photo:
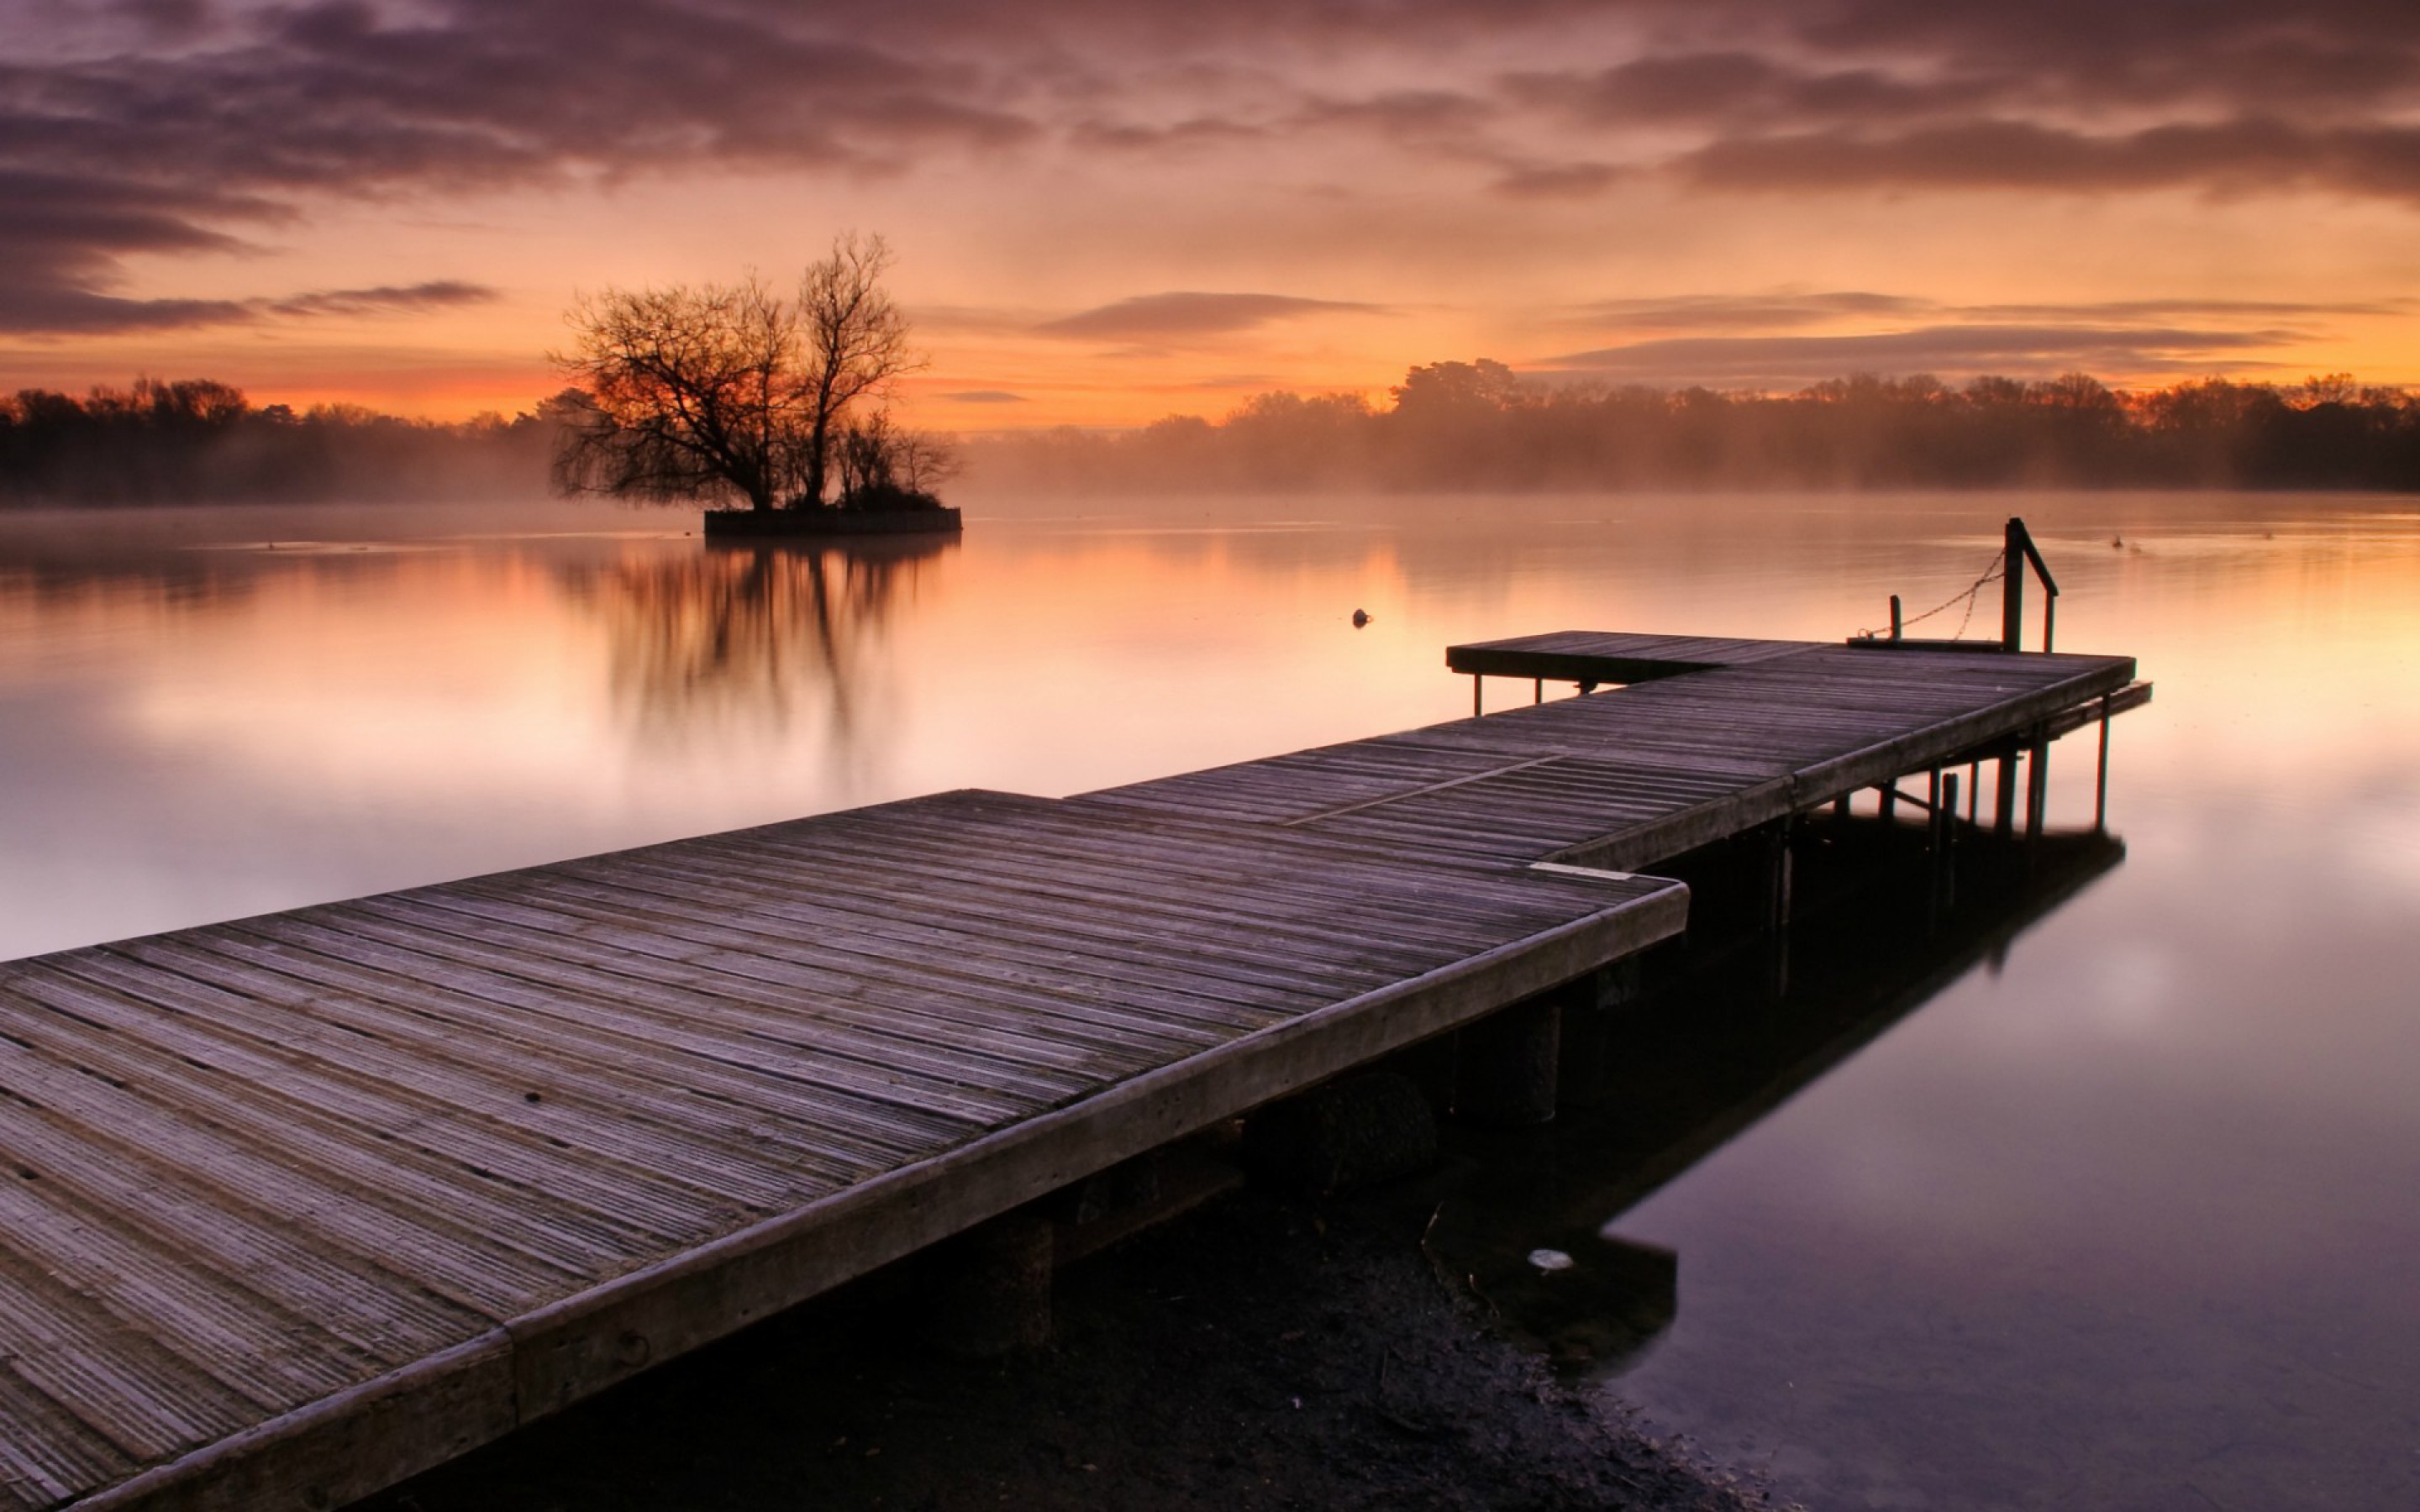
(294, 1205)
(1715, 738)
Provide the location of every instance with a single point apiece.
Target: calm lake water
(2129, 1220)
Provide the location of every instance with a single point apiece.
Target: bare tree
(856, 338)
(882, 461)
(721, 389)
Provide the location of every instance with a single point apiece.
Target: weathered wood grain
(302, 1203)
(294, 1206)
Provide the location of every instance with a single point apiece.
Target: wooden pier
(296, 1206)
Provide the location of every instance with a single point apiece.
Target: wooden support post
(1945, 846)
(2037, 788)
(1936, 849)
(1973, 787)
(1896, 625)
(1887, 801)
(1538, 690)
(1840, 807)
(2101, 778)
(989, 1289)
(1777, 874)
(1475, 710)
(2003, 809)
(1509, 1064)
(1776, 904)
(1596, 1022)
(1372, 1126)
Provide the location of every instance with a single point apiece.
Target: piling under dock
(297, 1206)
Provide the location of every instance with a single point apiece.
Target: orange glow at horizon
(1167, 220)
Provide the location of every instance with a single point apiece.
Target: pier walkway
(296, 1206)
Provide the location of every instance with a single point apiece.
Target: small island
(781, 524)
(777, 403)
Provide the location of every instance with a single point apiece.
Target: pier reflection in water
(1698, 1049)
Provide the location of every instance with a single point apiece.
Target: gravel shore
(1263, 1351)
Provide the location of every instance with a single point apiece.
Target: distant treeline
(1477, 425)
(203, 442)
(1447, 426)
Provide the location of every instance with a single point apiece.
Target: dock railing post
(2018, 554)
(2012, 585)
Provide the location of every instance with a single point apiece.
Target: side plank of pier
(294, 1207)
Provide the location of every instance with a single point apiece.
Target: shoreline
(1262, 1350)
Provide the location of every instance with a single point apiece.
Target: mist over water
(2124, 1220)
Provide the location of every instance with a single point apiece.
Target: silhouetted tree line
(204, 443)
(1477, 425)
(1448, 426)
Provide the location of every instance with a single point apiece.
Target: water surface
(2128, 1221)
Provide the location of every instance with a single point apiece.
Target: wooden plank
(578, 1347)
(329, 1195)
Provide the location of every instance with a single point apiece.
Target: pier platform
(294, 1207)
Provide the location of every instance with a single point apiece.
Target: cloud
(1842, 96)
(1173, 315)
(2017, 351)
(193, 126)
(1729, 88)
(1418, 115)
(38, 311)
(2233, 156)
(388, 299)
(60, 239)
(1200, 132)
(1787, 309)
(984, 396)
(1561, 180)
(2192, 309)
(270, 107)
(1733, 312)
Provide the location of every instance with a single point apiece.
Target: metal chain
(1990, 575)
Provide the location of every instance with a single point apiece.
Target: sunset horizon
(1103, 216)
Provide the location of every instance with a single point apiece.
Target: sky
(1104, 211)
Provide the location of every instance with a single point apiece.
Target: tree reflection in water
(741, 637)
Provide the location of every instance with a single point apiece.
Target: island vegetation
(1448, 426)
(735, 391)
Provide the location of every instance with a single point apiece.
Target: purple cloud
(1165, 316)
